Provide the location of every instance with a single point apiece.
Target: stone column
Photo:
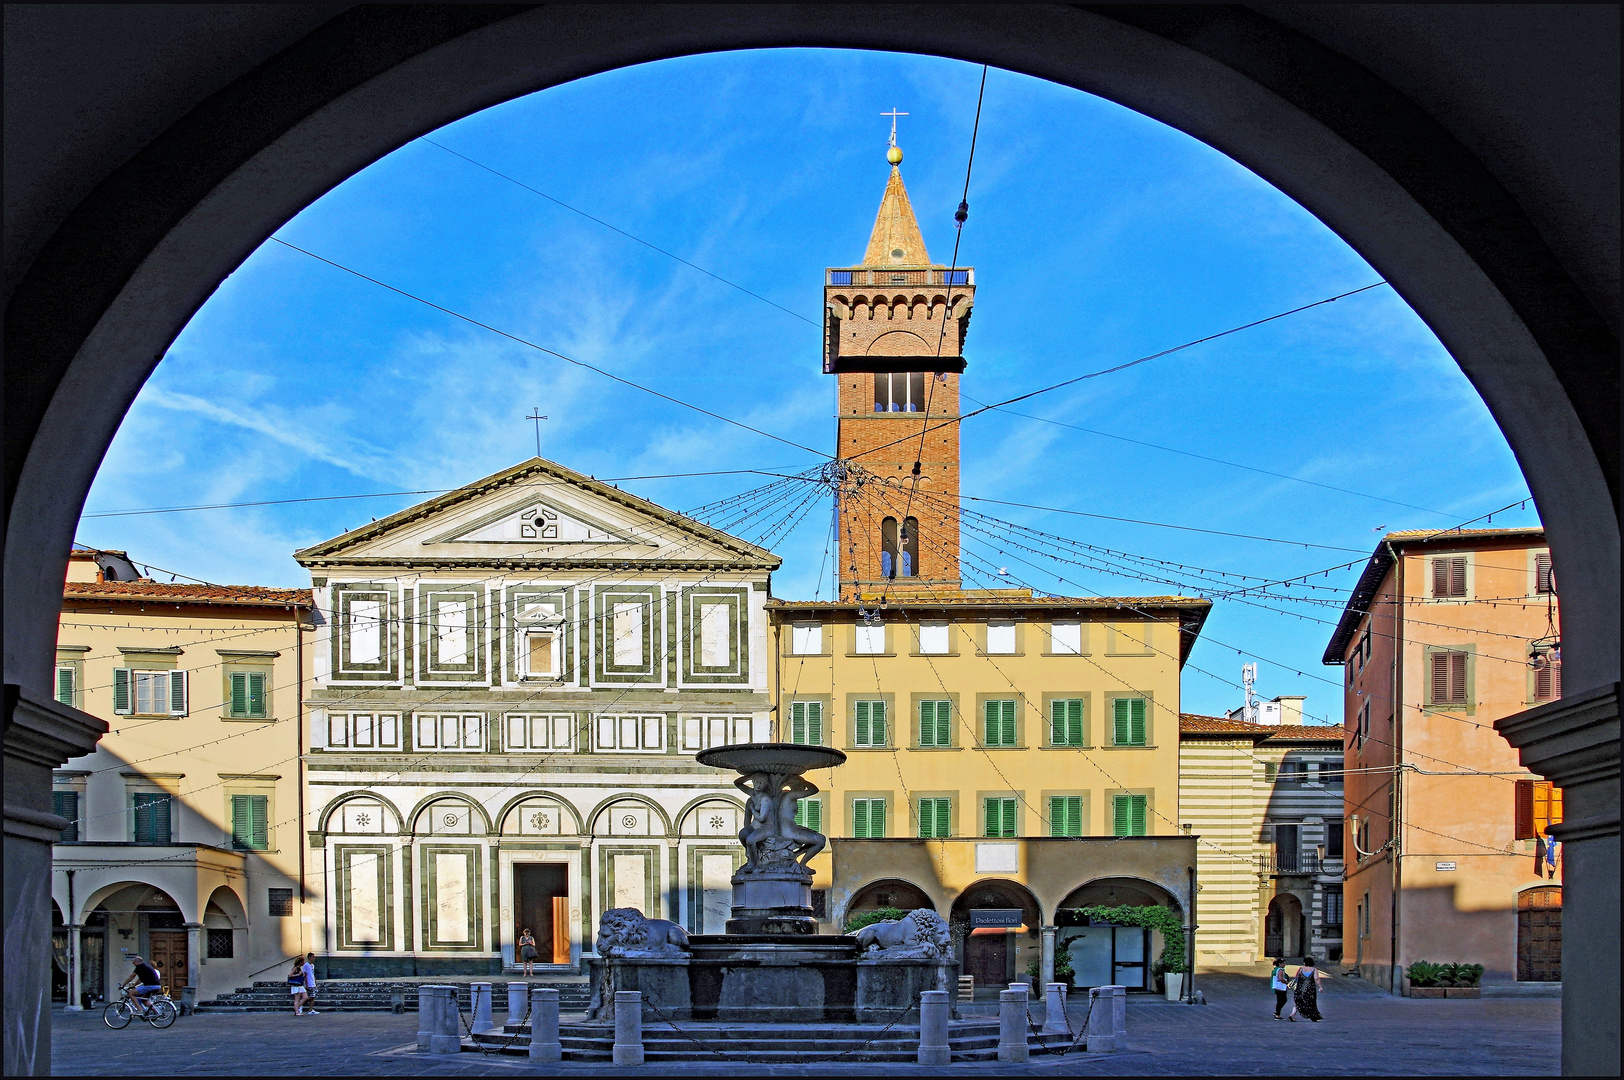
(479, 1003)
(194, 954)
(518, 998)
(1012, 1024)
(628, 1028)
(1101, 1022)
(40, 734)
(428, 1015)
(1054, 1009)
(75, 980)
(1573, 742)
(447, 1038)
(544, 1044)
(1046, 962)
(933, 1046)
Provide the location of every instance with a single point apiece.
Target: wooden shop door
(986, 956)
(1539, 935)
(167, 949)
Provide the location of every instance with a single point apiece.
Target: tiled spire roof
(896, 229)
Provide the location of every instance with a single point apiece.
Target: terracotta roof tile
(1196, 724)
(255, 595)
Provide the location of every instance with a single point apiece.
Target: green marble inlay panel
(648, 667)
(365, 899)
(454, 641)
(735, 668)
(651, 892)
(452, 897)
(696, 883)
(366, 632)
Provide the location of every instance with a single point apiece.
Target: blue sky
(1097, 235)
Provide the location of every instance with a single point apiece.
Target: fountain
(772, 965)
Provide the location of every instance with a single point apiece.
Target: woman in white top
(1282, 988)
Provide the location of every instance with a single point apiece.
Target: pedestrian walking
(308, 971)
(296, 985)
(527, 951)
(1281, 983)
(1305, 989)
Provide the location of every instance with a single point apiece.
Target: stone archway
(995, 924)
(127, 230)
(1283, 936)
(888, 893)
(1103, 955)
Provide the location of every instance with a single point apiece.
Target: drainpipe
(1189, 938)
(1394, 820)
(303, 840)
(74, 978)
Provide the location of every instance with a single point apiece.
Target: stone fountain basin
(784, 759)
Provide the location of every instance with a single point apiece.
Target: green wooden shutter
(1057, 723)
(256, 693)
(239, 693)
(797, 722)
(944, 817)
(241, 823)
(1009, 817)
(177, 693)
(814, 723)
(121, 690)
(65, 804)
(989, 734)
(864, 733)
(259, 811)
(1074, 722)
(877, 723)
(859, 818)
(1065, 815)
(809, 814)
(151, 818)
(876, 818)
(1136, 721)
(1121, 815)
(64, 685)
(1008, 729)
(1138, 808)
(1119, 716)
(927, 723)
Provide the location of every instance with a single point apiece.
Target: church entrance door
(541, 895)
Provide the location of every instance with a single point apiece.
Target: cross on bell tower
(894, 333)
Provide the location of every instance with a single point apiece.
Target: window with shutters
(250, 822)
(1333, 907)
(149, 693)
(809, 814)
(1447, 677)
(868, 818)
(1362, 724)
(247, 694)
(868, 724)
(998, 722)
(1128, 815)
(806, 723)
(933, 639)
(806, 639)
(1066, 722)
(150, 811)
(998, 816)
(1449, 577)
(1129, 725)
(1000, 638)
(1333, 838)
(936, 723)
(1066, 638)
(67, 683)
(868, 639)
(1544, 579)
(1547, 667)
(1293, 772)
(65, 804)
(1065, 815)
(1539, 806)
(936, 818)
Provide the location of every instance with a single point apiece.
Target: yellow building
(1011, 757)
(184, 843)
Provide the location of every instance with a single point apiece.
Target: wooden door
(1539, 935)
(167, 949)
(561, 929)
(536, 887)
(986, 956)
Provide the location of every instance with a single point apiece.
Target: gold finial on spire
(893, 152)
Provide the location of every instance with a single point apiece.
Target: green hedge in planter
(1424, 973)
(1163, 919)
(865, 918)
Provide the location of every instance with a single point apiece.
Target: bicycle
(160, 1011)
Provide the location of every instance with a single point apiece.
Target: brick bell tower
(894, 340)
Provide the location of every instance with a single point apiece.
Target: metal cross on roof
(893, 114)
(538, 418)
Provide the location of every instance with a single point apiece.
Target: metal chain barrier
(469, 1028)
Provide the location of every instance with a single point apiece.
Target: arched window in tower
(888, 548)
(910, 547)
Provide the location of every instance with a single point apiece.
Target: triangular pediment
(537, 513)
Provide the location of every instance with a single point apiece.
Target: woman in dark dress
(527, 951)
(1305, 989)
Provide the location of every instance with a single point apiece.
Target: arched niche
(449, 815)
(540, 815)
(360, 814)
(628, 815)
(715, 818)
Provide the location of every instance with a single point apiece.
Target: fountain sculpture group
(772, 964)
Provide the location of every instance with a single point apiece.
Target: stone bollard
(428, 1015)
(1101, 1023)
(518, 999)
(1012, 1024)
(397, 1001)
(933, 1010)
(628, 1027)
(1054, 1010)
(480, 1006)
(544, 1044)
(447, 1037)
(1119, 1014)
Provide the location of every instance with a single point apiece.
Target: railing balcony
(1292, 862)
(869, 276)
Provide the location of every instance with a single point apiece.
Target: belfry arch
(129, 228)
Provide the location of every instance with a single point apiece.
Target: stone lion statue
(628, 932)
(921, 933)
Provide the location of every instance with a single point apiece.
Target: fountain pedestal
(773, 902)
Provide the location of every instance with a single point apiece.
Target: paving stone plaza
(1365, 1032)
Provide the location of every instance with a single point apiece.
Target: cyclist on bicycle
(147, 981)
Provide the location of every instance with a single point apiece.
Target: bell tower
(894, 341)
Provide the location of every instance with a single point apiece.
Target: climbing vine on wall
(1165, 920)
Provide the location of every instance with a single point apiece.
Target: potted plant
(1425, 980)
(1461, 980)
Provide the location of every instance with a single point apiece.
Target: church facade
(510, 684)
